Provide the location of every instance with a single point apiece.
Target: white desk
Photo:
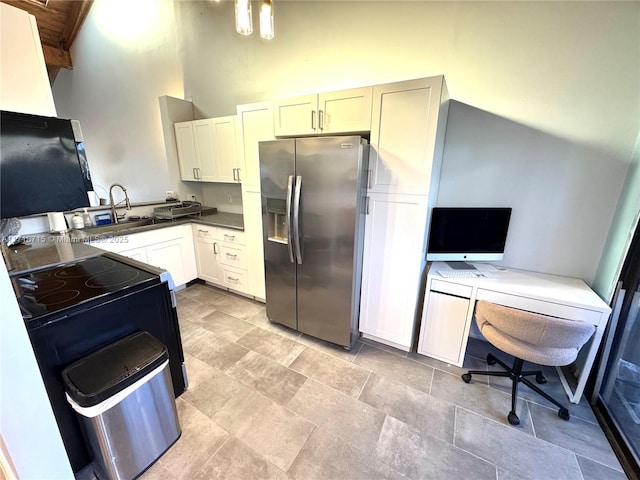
(450, 302)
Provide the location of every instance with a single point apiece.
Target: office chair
(528, 337)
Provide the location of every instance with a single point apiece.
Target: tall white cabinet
(25, 84)
(407, 138)
(255, 124)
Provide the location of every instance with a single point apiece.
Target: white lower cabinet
(168, 248)
(221, 257)
(392, 267)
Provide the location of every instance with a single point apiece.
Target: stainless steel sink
(116, 227)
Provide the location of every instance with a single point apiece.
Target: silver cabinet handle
(288, 216)
(215, 248)
(321, 120)
(233, 280)
(238, 170)
(296, 219)
(313, 119)
(369, 175)
(229, 237)
(232, 256)
(234, 175)
(195, 174)
(366, 205)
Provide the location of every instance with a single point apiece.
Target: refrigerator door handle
(288, 217)
(296, 219)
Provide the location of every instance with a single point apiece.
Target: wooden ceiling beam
(57, 57)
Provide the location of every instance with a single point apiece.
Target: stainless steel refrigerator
(313, 201)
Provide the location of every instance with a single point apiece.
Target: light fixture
(244, 21)
(266, 19)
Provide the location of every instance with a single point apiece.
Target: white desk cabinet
(343, 111)
(450, 304)
(393, 263)
(407, 133)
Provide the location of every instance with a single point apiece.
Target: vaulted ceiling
(59, 22)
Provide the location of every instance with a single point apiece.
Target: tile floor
(267, 402)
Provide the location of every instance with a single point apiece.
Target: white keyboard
(464, 274)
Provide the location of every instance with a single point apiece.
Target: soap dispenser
(86, 219)
(76, 221)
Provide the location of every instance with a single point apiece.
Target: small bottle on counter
(76, 221)
(86, 219)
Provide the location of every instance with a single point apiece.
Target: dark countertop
(46, 249)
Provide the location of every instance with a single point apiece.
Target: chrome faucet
(114, 213)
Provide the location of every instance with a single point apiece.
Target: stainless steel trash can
(124, 398)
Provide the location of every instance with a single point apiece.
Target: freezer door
(276, 181)
(328, 169)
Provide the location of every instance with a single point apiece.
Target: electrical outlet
(192, 198)
(229, 199)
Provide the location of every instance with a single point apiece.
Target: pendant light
(244, 21)
(266, 19)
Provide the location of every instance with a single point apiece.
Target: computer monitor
(468, 234)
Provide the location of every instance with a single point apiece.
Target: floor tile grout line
(364, 385)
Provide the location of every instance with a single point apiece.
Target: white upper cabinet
(344, 111)
(255, 124)
(207, 150)
(24, 83)
(224, 155)
(186, 146)
(407, 135)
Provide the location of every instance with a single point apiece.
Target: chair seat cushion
(551, 356)
(532, 336)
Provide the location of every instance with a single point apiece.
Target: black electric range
(43, 293)
(74, 309)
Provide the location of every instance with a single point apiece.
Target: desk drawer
(539, 306)
(463, 291)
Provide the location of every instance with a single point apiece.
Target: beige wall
(547, 92)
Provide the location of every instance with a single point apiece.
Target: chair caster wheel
(513, 418)
(540, 378)
(491, 360)
(563, 413)
(466, 377)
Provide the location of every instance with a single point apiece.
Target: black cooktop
(66, 286)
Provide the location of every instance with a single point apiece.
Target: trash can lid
(111, 369)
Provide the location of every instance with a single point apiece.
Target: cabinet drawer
(463, 291)
(204, 231)
(233, 256)
(539, 306)
(231, 236)
(234, 279)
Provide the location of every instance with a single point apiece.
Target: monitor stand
(461, 266)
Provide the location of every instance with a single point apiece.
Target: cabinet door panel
(292, 116)
(256, 125)
(392, 266)
(187, 157)
(345, 111)
(203, 134)
(207, 261)
(169, 256)
(443, 327)
(139, 254)
(252, 209)
(224, 144)
(403, 135)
